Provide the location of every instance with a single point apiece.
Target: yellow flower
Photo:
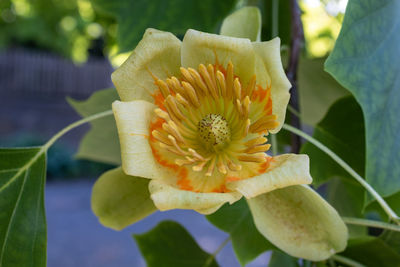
(194, 117)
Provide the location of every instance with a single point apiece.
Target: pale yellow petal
(133, 119)
(300, 222)
(167, 197)
(269, 71)
(284, 170)
(119, 200)
(243, 23)
(157, 53)
(203, 48)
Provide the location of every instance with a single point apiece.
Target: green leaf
(101, 142)
(243, 23)
(341, 130)
(365, 61)
(372, 251)
(236, 220)
(347, 197)
(22, 214)
(169, 244)
(280, 259)
(318, 90)
(176, 16)
(119, 200)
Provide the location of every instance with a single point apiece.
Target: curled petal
(300, 222)
(167, 197)
(119, 200)
(243, 23)
(284, 170)
(133, 122)
(158, 54)
(269, 70)
(206, 48)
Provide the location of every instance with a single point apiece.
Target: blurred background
(51, 49)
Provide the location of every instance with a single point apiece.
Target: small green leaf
(101, 142)
(341, 130)
(280, 259)
(236, 220)
(372, 251)
(176, 16)
(119, 200)
(318, 90)
(169, 244)
(22, 214)
(243, 23)
(365, 61)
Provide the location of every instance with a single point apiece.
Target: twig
(295, 50)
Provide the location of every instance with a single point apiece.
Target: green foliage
(341, 130)
(119, 200)
(169, 244)
(247, 242)
(22, 214)
(372, 251)
(176, 16)
(317, 90)
(101, 142)
(280, 259)
(364, 61)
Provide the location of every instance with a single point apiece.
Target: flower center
(213, 130)
(210, 123)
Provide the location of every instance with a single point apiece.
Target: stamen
(246, 106)
(221, 167)
(161, 138)
(256, 149)
(199, 81)
(229, 80)
(211, 72)
(187, 76)
(171, 104)
(251, 86)
(233, 167)
(221, 83)
(211, 167)
(192, 93)
(256, 141)
(199, 166)
(264, 121)
(206, 76)
(195, 154)
(173, 140)
(238, 88)
(246, 128)
(162, 114)
(259, 157)
(163, 88)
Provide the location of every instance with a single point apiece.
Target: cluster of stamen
(210, 121)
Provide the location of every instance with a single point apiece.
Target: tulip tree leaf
(101, 142)
(22, 214)
(341, 130)
(169, 244)
(119, 200)
(236, 220)
(176, 16)
(372, 251)
(279, 259)
(365, 61)
(318, 90)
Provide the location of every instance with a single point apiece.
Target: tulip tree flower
(194, 118)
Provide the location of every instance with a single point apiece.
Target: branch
(297, 39)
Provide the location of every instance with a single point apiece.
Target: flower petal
(133, 122)
(243, 23)
(300, 222)
(167, 197)
(284, 170)
(269, 70)
(158, 53)
(119, 200)
(203, 48)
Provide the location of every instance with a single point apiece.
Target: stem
(371, 223)
(74, 125)
(392, 215)
(347, 261)
(295, 49)
(218, 250)
(275, 18)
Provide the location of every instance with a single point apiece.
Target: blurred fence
(31, 71)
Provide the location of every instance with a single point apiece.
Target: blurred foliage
(69, 28)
